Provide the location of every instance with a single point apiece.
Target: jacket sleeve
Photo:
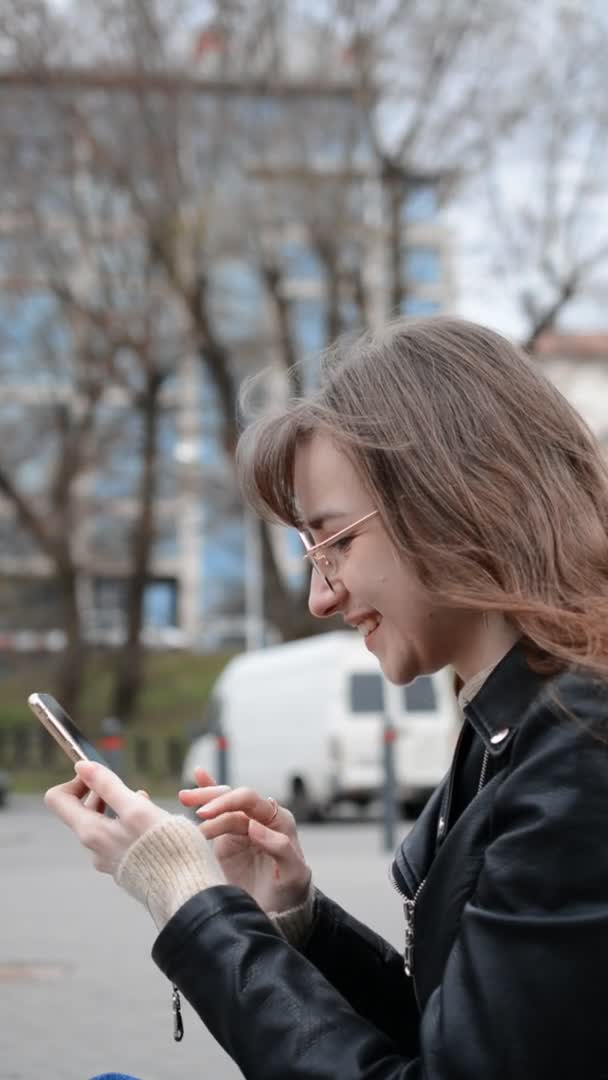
(519, 995)
(269, 1007)
(366, 970)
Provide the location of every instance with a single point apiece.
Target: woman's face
(374, 589)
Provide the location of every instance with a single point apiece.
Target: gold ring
(275, 810)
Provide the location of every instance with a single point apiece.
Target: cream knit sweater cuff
(167, 865)
(173, 861)
(295, 923)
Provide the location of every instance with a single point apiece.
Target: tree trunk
(397, 289)
(70, 672)
(274, 285)
(129, 670)
(333, 315)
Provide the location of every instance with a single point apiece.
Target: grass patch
(170, 710)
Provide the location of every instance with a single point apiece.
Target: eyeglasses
(325, 557)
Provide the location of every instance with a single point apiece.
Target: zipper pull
(408, 952)
(178, 1024)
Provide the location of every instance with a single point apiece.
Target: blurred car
(4, 787)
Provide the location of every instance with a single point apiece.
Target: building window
(165, 542)
(160, 603)
(422, 265)
(308, 325)
(419, 305)
(301, 263)
(237, 300)
(420, 203)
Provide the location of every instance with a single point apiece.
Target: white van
(304, 722)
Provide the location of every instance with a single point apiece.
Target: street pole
(254, 584)
(389, 735)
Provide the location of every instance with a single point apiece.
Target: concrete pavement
(79, 992)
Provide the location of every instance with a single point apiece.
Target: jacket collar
(502, 702)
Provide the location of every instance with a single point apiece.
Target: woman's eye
(343, 544)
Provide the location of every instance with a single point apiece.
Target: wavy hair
(487, 480)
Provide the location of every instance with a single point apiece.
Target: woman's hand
(258, 851)
(78, 805)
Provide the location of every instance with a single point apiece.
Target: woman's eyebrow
(320, 521)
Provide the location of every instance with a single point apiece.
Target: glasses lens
(323, 567)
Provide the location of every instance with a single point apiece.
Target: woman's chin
(398, 669)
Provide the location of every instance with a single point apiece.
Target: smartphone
(63, 729)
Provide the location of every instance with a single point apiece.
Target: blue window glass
(419, 305)
(422, 265)
(420, 204)
(223, 561)
(160, 603)
(165, 544)
(350, 315)
(211, 451)
(308, 324)
(119, 470)
(237, 300)
(308, 321)
(301, 263)
(31, 327)
(33, 476)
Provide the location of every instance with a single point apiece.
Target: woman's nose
(324, 599)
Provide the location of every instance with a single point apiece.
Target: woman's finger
(235, 824)
(107, 785)
(249, 802)
(201, 795)
(67, 799)
(94, 802)
(204, 778)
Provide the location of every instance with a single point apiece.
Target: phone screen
(55, 718)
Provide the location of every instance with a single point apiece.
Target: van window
(419, 696)
(366, 692)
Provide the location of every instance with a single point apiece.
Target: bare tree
(193, 157)
(540, 197)
(58, 420)
(76, 242)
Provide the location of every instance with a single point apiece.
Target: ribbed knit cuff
(295, 924)
(166, 866)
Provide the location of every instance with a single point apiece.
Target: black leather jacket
(509, 867)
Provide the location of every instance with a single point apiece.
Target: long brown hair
(487, 480)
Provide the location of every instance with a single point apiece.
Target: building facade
(201, 569)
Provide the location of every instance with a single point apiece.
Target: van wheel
(303, 808)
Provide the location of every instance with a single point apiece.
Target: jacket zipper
(178, 1024)
(409, 903)
(484, 769)
(409, 909)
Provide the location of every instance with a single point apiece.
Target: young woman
(454, 509)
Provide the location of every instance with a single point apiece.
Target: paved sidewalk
(79, 992)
